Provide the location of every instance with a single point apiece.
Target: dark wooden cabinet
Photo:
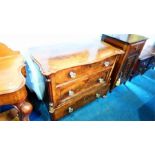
(128, 66)
(132, 45)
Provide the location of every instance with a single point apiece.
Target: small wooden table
(12, 82)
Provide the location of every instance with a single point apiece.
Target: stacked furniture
(76, 76)
(12, 82)
(132, 45)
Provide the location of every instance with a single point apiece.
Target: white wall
(26, 23)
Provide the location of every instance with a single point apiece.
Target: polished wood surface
(11, 63)
(132, 45)
(6, 51)
(81, 84)
(11, 77)
(75, 78)
(79, 101)
(126, 38)
(83, 70)
(14, 97)
(74, 84)
(12, 81)
(51, 61)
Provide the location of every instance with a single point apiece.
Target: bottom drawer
(82, 99)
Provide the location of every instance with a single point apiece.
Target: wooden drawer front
(80, 100)
(136, 48)
(68, 90)
(78, 72)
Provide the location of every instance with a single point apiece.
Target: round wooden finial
(26, 108)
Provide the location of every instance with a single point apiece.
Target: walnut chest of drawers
(76, 76)
(132, 45)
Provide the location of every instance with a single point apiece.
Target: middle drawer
(72, 88)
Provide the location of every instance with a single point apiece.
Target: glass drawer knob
(106, 63)
(72, 75)
(71, 93)
(98, 95)
(70, 109)
(101, 80)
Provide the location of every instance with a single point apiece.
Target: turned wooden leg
(24, 110)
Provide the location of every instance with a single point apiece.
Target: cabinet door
(128, 67)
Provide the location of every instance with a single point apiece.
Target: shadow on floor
(147, 111)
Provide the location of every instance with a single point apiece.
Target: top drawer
(79, 71)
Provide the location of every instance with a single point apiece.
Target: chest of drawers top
(11, 63)
(54, 59)
(125, 38)
(123, 41)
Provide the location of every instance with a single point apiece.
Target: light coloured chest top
(56, 58)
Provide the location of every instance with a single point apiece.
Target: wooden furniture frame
(12, 82)
(78, 78)
(132, 45)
